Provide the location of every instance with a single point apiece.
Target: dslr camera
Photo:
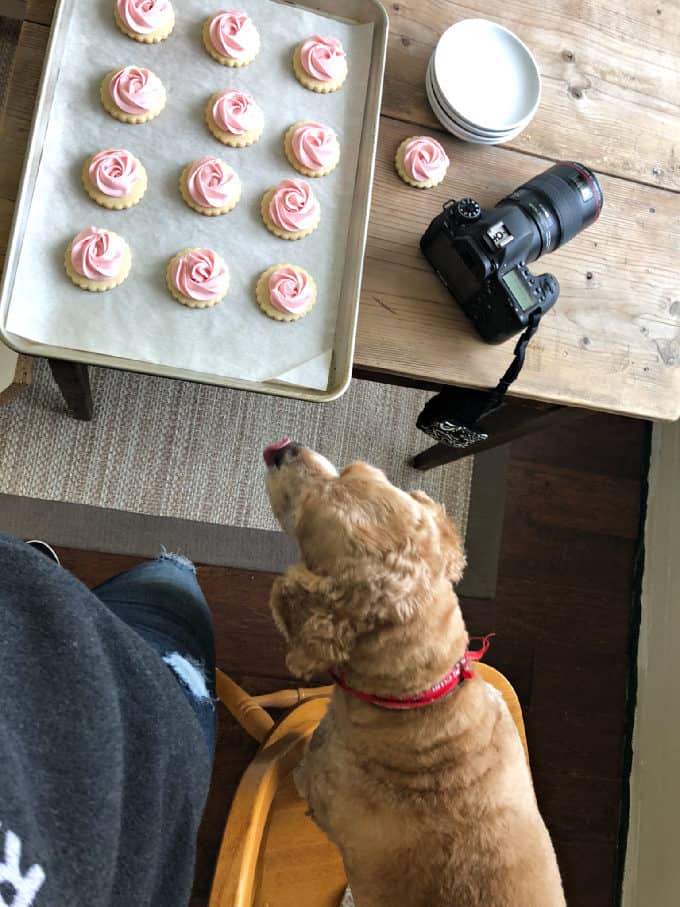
(481, 255)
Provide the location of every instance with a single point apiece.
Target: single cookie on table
(291, 210)
(198, 278)
(148, 21)
(210, 186)
(97, 259)
(234, 118)
(231, 38)
(133, 94)
(285, 292)
(114, 178)
(320, 63)
(421, 161)
(313, 149)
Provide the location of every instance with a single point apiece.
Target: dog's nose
(276, 454)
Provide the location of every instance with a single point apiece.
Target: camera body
(481, 255)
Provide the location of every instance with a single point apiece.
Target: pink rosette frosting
(425, 159)
(233, 34)
(136, 90)
(236, 112)
(211, 183)
(323, 58)
(97, 254)
(293, 206)
(315, 146)
(200, 274)
(290, 290)
(114, 172)
(144, 16)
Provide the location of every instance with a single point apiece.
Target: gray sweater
(103, 767)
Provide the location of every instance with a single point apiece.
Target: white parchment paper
(139, 319)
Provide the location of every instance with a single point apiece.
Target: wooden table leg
(73, 380)
(512, 420)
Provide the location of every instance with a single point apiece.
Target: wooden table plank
(613, 340)
(15, 121)
(610, 69)
(40, 11)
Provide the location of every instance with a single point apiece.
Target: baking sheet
(139, 320)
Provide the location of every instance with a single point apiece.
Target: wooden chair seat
(272, 854)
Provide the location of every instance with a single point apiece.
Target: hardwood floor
(563, 621)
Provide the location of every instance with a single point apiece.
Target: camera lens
(562, 201)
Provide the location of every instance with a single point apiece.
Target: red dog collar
(462, 670)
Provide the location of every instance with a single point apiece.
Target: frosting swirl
(211, 183)
(293, 206)
(136, 90)
(114, 172)
(323, 58)
(314, 145)
(290, 289)
(144, 16)
(425, 159)
(97, 254)
(236, 112)
(233, 34)
(200, 274)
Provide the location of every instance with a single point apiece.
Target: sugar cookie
(285, 292)
(97, 259)
(320, 63)
(133, 94)
(421, 161)
(114, 178)
(291, 210)
(313, 149)
(231, 38)
(198, 278)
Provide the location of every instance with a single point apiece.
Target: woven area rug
(173, 462)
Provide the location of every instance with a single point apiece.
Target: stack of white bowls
(482, 82)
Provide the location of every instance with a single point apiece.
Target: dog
(430, 806)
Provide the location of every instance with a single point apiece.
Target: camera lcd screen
(513, 282)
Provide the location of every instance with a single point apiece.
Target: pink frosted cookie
(234, 118)
(231, 38)
(285, 292)
(210, 186)
(291, 210)
(148, 21)
(198, 278)
(133, 94)
(97, 259)
(313, 149)
(114, 178)
(320, 63)
(421, 161)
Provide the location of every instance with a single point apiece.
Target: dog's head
(377, 565)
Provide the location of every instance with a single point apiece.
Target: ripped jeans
(163, 603)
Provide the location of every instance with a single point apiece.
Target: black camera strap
(496, 396)
(453, 416)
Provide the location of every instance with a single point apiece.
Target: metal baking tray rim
(340, 373)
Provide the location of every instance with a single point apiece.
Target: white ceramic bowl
(487, 75)
(455, 127)
(464, 124)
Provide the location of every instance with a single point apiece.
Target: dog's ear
(307, 609)
(451, 545)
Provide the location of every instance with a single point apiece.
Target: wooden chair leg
(73, 380)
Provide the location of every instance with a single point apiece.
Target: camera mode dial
(468, 210)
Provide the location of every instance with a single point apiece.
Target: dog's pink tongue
(268, 452)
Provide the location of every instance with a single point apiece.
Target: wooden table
(611, 99)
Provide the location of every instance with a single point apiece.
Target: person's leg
(162, 601)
